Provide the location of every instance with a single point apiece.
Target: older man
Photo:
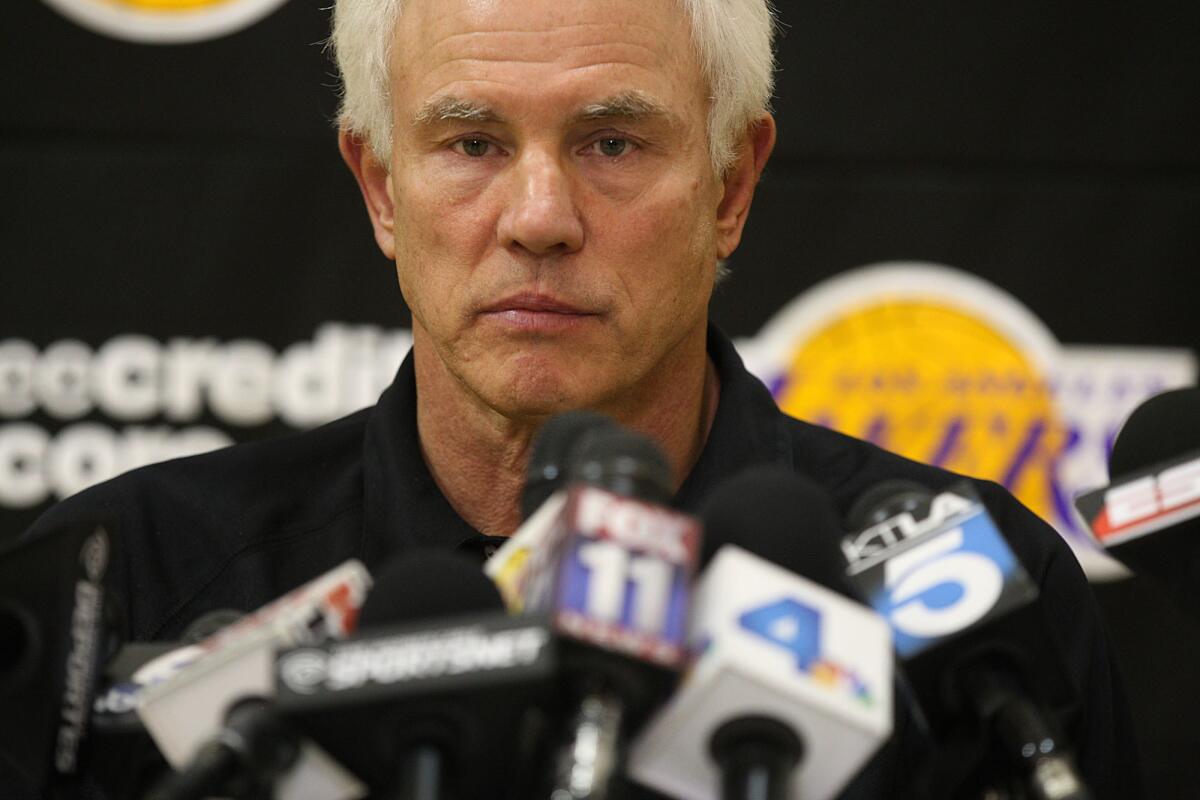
(557, 182)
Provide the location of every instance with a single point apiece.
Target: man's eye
(474, 147)
(612, 146)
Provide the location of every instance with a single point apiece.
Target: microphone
(612, 577)
(790, 693)
(432, 697)
(548, 472)
(964, 615)
(205, 731)
(120, 756)
(552, 454)
(54, 636)
(1148, 517)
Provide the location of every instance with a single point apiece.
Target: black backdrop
(1051, 148)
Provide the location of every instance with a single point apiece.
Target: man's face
(554, 202)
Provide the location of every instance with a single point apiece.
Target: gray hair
(732, 39)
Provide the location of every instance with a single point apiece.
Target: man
(556, 182)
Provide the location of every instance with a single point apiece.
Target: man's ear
(740, 180)
(374, 180)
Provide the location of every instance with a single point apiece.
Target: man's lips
(531, 313)
(535, 304)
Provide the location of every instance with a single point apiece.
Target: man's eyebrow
(447, 108)
(629, 105)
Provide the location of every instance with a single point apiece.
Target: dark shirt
(238, 527)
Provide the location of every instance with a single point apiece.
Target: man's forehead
(440, 40)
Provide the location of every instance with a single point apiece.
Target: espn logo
(1143, 503)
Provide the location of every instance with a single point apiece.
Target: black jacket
(238, 527)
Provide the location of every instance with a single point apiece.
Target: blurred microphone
(612, 576)
(791, 691)
(54, 637)
(551, 457)
(1149, 515)
(968, 629)
(137, 666)
(119, 754)
(542, 498)
(430, 699)
(210, 721)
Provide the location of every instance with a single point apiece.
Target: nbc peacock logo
(165, 21)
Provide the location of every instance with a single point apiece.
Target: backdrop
(184, 261)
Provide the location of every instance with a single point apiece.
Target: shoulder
(277, 478)
(848, 467)
(229, 522)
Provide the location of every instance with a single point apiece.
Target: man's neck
(478, 457)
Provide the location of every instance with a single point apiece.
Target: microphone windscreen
(1162, 428)
(623, 462)
(780, 516)
(550, 458)
(207, 624)
(428, 585)
(886, 500)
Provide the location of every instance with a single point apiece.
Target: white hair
(732, 39)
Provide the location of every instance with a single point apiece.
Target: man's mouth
(537, 313)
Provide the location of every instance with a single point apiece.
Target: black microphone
(211, 715)
(431, 698)
(56, 630)
(553, 450)
(985, 668)
(611, 573)
(622, 462)
(548, 474)
(1148, 517)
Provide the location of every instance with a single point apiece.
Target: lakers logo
(935, 384)
(165, 21)
(929, 363)
(170, 5)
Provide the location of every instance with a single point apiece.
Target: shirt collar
(748, 428)
(405, 509)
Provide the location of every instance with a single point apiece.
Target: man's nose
(541, 216)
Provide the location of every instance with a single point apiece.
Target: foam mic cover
(1160, 429)
(780, 516)
(425, 585)
(1149, 515)
(206, 625)
(550, 460)
(624, 463)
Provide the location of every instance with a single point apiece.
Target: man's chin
(542, 393)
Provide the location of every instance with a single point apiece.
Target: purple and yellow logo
(945, 368)
(165, 21)
(933, 383)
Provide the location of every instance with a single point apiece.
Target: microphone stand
(1025, 737)
(757, 756)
